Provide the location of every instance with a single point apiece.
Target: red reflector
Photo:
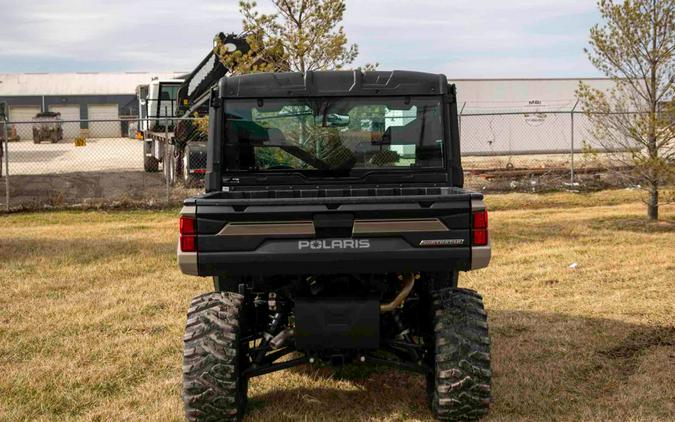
(480, 237)
(187, 225)
(188, 243)
(199, 171)
(480, 220)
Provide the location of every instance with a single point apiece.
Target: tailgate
(332, 232)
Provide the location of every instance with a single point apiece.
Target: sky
(463, 39)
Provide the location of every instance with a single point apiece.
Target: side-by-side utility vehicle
(47, 126)
(334, 225)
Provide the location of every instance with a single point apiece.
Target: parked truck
(169, 133)
(328, 246)
(157, 111)
(168, 113)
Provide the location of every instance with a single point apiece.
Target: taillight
(187, 228)
(188, 244)
(480, 228)
(187, 225)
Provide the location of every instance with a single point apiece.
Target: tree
(301, 35)
(633, 121)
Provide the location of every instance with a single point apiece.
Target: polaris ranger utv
(334, 225)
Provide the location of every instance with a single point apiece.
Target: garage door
(104, 129)
(23, 114)
(68, 112)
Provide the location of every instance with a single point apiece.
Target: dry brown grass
(92, 311)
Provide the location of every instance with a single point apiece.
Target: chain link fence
(525, 139)
(537, 151)
(49, 163)
(56, 163)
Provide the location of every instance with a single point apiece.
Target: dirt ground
(138, 188)
(108, 172)
(36, 191)
(93, 308)
(104, 172)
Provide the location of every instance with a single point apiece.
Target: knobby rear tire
(460, 386)
(213, 388)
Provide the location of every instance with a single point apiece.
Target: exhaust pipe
(280, 339)
(409, 282)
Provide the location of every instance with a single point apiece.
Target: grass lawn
(92, 308)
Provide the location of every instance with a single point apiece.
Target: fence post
(167, 157)
(459, 115)
(572, 142)
(5, 130)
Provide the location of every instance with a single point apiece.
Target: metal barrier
(103, 161)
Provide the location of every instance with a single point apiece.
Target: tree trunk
(653, 204)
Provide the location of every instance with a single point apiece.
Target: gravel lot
(118, 154)
(104, 170)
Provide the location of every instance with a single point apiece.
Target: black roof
(332, 83)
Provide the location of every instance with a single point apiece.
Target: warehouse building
(523, 116)
(521, 95)
(77, 96)
(540, 123)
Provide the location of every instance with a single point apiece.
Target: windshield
(167, 100)
(335, 134)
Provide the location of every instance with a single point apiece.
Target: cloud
(121, 35)
(482, 38)
(489, 38)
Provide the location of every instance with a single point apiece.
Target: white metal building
(504, 116)
(504, 95)
(77, 96)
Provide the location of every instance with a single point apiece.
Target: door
(68, 113)
(23, 114)
(108, 129)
